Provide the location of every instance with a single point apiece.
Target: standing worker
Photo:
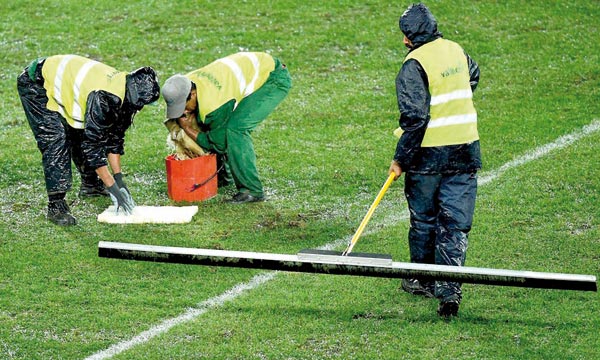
(227, 100)
(79, 109)
(438, 151)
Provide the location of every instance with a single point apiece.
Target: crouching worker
(219, 105)
(79, 109)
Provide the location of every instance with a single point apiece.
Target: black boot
(89, 190)
(449, 308)
(58, 213)
(414, 287)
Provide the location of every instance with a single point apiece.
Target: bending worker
(219, 105)
(79, 109)
(438, 150)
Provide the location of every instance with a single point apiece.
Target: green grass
(323, 154)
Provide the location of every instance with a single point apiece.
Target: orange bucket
(192, 179)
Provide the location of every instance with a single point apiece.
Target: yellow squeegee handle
(367, 217)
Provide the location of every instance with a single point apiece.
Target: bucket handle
(197, 186)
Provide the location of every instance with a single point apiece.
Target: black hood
(142, 87)
(418, 25)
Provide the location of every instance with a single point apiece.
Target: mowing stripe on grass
(256, 281)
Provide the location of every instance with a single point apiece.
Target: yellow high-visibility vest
(233, 77)
(69, 79)
(453, 116)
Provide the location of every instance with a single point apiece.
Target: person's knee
(281, 80)
(453, 220)
(235, 133)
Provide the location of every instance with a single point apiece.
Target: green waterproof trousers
(233, 137)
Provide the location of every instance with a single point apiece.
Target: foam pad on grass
(150, 215)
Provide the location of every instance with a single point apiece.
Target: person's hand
(172, 125)
(121, 199)
(120, 183)
(186, 121)
(396, 169)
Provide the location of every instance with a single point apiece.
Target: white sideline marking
(260, 279)
(559, 143)
(189, 315)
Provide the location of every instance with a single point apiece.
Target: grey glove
(121, 199)
(121, 184)
(119, 179)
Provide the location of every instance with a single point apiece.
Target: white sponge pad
(150, 214)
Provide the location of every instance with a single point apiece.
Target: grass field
(323, 154)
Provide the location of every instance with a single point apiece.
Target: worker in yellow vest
(79, 109)
(438, 151)
(227, 99)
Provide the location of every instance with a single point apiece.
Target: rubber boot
(59, 213)
(95, 189)
(415, 287)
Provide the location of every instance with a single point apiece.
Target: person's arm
(396, 169)
(213, 121)
(105, 176)
(412, 91)
(186, 123)
(473, 73)
(115, 143)
(100, 115)
(120, 194)
(114, 160)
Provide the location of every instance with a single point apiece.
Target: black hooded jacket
(412, 90)
(107, 119)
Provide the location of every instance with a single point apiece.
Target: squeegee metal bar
(284, 262)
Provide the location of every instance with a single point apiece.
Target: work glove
(121, 199)
(120, 183)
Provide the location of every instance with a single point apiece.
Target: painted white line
(543, 150)
(260, 279)
(189, 315)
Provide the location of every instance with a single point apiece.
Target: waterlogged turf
(323, 154)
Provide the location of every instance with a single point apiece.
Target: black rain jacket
(412, 90)
(107, 120)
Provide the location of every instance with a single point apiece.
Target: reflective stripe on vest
(233, 77)
(453, 119)
(69, 79)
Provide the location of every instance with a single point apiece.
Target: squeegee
(353, 264)
(367, 217)
(335, 256)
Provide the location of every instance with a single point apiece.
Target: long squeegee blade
(357, 264)
(336, 257)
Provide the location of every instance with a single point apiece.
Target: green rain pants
(235, 137)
